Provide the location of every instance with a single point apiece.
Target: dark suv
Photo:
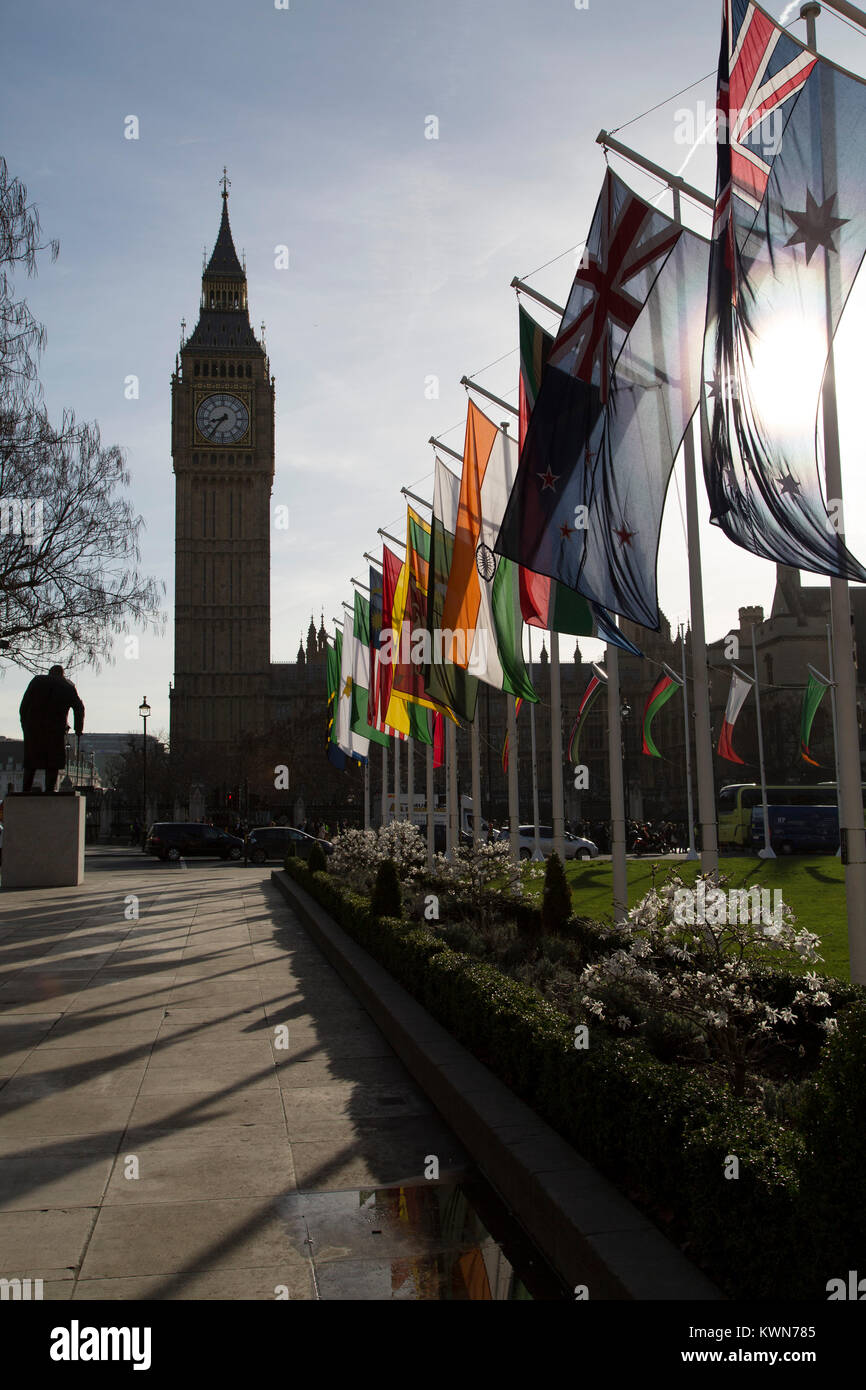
(177, 840)
(270, 841)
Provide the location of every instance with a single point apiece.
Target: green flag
(812, 697)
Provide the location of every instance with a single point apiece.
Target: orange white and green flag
(482, 622)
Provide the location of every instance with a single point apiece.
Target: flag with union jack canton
(619, 387)
(788, 238)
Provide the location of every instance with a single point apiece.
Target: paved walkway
(158, 1140)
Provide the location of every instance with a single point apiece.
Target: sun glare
(787, 367)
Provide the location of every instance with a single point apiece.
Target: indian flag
(483, 628)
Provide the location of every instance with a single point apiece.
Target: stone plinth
(43, 841)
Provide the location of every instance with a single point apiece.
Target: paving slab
(194, 1105)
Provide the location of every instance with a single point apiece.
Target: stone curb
(586, 1228)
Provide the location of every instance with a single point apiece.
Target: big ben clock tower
(222, 443)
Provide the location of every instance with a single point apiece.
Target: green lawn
(814, 886)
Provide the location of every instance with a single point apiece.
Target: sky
(401, 248)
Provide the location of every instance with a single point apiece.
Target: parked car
(270, 841)
(179, 839)
(575, 846)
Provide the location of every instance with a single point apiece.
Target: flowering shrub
(701, 972)
(358, 853)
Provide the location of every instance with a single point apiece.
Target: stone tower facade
(222, 443)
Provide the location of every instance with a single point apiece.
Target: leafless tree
(69, 536)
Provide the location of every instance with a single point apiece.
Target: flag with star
(788, 238)
(620, 386)
(543, 602)
(481, 617)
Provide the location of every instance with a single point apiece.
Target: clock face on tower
(223, 418)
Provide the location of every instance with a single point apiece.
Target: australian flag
(788, 238)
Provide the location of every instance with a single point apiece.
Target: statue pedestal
(43, 841)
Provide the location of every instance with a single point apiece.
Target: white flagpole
(384, 807)
(536, 853)
(367, 795)
(397, 778)
(703, 732)
(410, 780)
(852, 836)
(513, 794)
(475, 747)
(556, 749)
(767, 852)
(617, 798)
(431, 824)
(835, 732)
(453, 808)
(692, 854)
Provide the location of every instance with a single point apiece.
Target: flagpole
(513, 796)
(384, 784)
(617, 797)
(475, 746)
(410, 780)
(692, 854)
(835, 731)
(367, 794)
(703, 732)
(852, 837)
(431, 831)
(556, 749)
(396, 779)
(536, 853)
(767, 852)
(453, 808)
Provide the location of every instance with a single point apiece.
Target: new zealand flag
(788, 239)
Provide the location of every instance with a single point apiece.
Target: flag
(449, 684)
(361, 674)
(544, 602)
(620, 386)
(481, 614)
(812, 697)
(353, 745)
(382, 585)
(517, 707)
(737, 694)
(666, 686)
(332, 671)
(410, 639)
(788, 238)
(597, 681)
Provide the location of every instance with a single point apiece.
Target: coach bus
(737, 801)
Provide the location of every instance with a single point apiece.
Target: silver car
(575, 846)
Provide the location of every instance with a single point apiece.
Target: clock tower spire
(223, 453)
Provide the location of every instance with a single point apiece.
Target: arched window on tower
(222, 368)
(197, 369)
(231, 369)
(249, 369)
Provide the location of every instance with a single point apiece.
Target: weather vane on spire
(226, 182)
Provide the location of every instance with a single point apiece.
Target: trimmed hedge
(664, 1135)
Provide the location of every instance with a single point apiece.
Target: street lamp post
(144, 711)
